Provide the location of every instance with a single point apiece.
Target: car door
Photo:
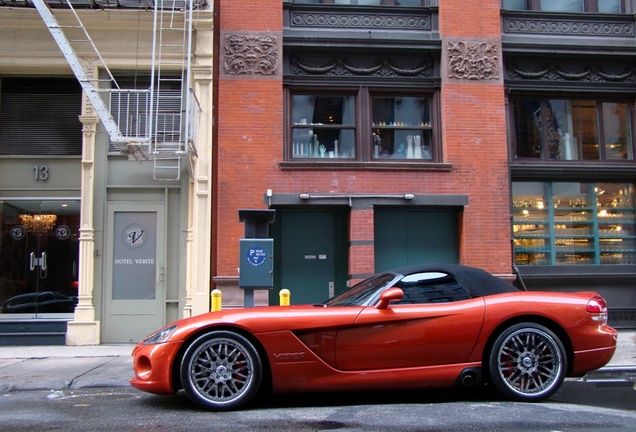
(436, 323)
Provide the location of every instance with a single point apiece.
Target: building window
(569, 223)
(602, 6)
(362, 125)
(572, 129)
(405, 3)
(401, 128)
(40, 116)
(324, 126)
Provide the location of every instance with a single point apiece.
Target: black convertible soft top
(478, 282)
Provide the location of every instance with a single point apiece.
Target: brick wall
(248, 129)
(249, 144)
(474, 136)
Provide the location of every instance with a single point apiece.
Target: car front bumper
(152, 365)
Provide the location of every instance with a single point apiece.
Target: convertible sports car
(428, 326)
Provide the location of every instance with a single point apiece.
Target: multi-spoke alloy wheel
(527, 362)
(221, 370)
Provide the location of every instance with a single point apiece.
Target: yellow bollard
(285, 297)
(216, 300)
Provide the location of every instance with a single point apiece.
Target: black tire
(221, 371)
(527, 363)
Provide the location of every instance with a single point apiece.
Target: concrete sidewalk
(73, 367)
(64, 367)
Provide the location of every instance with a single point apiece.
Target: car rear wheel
(527, 363)
(221, 370)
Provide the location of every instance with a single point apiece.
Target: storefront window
(568, 223)
(564, 129)
(39, 252)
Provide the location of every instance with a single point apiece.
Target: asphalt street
(58, 368)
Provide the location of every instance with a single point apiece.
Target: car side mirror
(387, 296)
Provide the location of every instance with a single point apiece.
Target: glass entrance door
(39, 250)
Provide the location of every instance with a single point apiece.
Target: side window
(431, 287)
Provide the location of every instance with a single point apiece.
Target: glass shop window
(571, 223)
(563, 129)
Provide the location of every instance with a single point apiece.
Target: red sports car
(428, 326)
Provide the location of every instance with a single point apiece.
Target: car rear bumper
(586, 360)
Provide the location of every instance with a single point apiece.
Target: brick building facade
(301, 93)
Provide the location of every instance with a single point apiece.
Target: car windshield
(363, 293)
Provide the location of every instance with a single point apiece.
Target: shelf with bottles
(618, 257)
(575, 257)
(533, 258)
(617, 233)
(331, 143)
(401, 125)
(528, 211)
(401, 143)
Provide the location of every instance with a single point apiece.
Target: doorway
(415, 236)
(134, 283)
(310, 249)
(39, 251)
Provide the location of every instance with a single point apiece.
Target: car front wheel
(527, 363)
(221, 370)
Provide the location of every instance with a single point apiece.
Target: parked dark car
(40, 302)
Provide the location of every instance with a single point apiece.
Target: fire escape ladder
(131, 105)
(171, 104)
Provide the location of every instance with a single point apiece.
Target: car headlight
(159, 336)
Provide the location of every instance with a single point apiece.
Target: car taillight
(598, 308)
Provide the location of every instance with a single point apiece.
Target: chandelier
(38, 223)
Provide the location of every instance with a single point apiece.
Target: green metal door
(310, 254)
(406, 237)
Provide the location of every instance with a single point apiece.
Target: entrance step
(32, 332)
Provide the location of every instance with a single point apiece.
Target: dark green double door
(310, 254)
(311, 247)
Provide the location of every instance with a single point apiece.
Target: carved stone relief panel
(251, 55)
(356, 20)
(583, 26)
(473, 60)
(552, 69)
(360, 65)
